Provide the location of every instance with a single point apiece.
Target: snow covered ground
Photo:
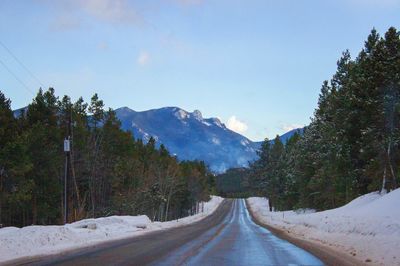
(43, 240)
(367, 228)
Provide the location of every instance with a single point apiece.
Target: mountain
(190, 136)
(284, 138)
(18, 112)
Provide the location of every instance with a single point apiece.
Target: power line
(16, 77)
(22, 65)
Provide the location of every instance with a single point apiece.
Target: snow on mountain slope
(51, 239)
(285, 137)
(368, 228)
(190, 136)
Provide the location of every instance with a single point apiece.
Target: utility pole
(67, 149)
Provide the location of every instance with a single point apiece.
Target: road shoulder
(328, 255)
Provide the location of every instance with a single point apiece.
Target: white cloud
(288, 127)
(236, 125)
(143, 58)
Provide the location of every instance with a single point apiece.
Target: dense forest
(109, 172)
(234, 183)
(352, 145)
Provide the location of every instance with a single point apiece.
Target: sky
(258, 65)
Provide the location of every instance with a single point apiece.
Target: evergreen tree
(351, 146)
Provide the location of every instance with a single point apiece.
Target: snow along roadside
(29, 241)
(367, 229)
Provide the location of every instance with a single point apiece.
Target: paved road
(239, 242)
(228, 237)
(140, 250)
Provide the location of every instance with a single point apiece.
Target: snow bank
(368, 227)
(206, 209)
(43, 240)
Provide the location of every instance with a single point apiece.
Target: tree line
(351, 146)
(233, 183)
(110, 172)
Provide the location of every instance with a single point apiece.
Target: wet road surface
(227, 237)
(239, 242)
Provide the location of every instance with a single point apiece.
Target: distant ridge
(190, 136)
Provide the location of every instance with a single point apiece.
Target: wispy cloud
(236, 125)
(71, 14)
(143, 58)
(115, 11)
